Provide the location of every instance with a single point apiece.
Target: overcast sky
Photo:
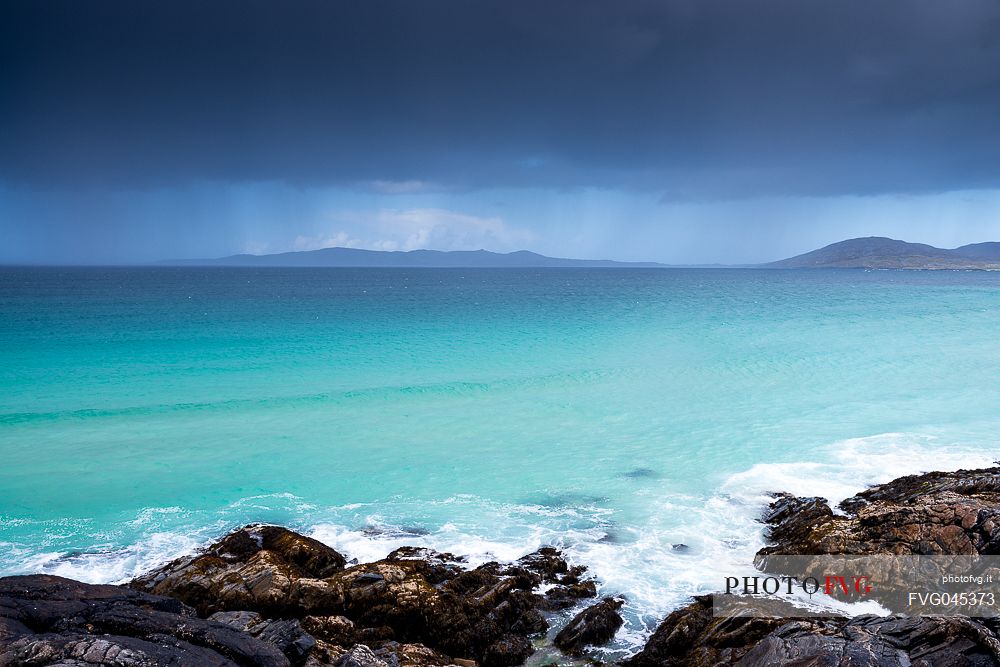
(683, 131)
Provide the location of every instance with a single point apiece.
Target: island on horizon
(879, 252)
(873, 252)
(360, 258)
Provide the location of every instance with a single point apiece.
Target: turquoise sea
(614, 412)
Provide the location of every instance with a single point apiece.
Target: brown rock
(412, 655)
(267, 569)
(333, 629)
(955, 513)
(507, 651)
(413, 597)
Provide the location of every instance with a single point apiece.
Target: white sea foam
(721, 530)
(851, 465)
(114, 566)
(368, 545)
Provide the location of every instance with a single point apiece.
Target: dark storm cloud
(700, 98)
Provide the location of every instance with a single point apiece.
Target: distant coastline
(358, 258)
(873, 252)
(876, 252)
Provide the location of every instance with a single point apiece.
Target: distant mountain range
(354, 257)
(874, 252)
(877, 252)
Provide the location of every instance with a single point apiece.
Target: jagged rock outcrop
(593, 626)
(266, 596)
(955, 513)
(693, 637)
(361, 656)
(254, 568)
(413, 597)
(507, 651)
(285, 634)
(46, 620)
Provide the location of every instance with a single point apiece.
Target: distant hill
(354, 257)
(876, 252)
(989, 251)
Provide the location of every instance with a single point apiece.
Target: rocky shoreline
(266, 596)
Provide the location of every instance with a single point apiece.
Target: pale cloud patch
(340, 240)
(255, 248)
(407, 187)
(412, 229)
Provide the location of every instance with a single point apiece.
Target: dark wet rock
(802, 522)
(593, 626)
(955, 513)
(574, 575)
(53, 621)
(681, 548)
(564, 597)
(507, 651)
(531, 622)
(410, 655)
(286, 635)
(377, 634)
(332, 629)
(692, 637)
(325, 655)
(983, 483)
(547, 566)
(289, 637)
(431, 601)
(50, 620)
(80, 650)
(241, 620)
(368, 578)
(413, 597)
(393, 654)
(881, 642)
(360, 656)
(257, 567)
(547, 562)
(10, 628)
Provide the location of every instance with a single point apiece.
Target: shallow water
(615, 412)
